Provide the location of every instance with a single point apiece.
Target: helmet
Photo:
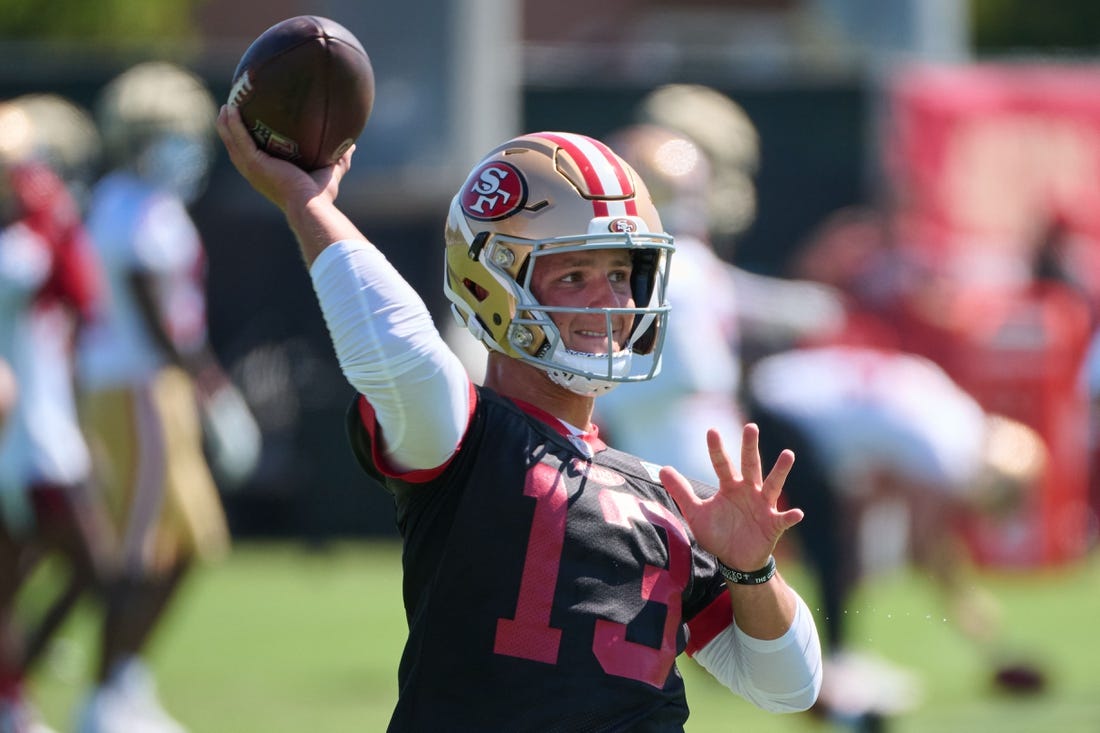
(547, 193)
(726, 135)
(15, 142)
(158, 119)
(675, 170)
(64, 137)
(17, 137)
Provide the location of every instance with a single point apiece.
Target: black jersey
(548, 583)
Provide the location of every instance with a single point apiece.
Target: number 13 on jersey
(529, 634)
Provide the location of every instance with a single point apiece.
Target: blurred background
(981, 117)
(970, 128)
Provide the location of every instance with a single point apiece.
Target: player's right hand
(283, 183)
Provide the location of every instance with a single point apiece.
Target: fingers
(335, 173)
(679, 489)
(345, 159)
(234, 135)
(750, 454)
(229, 119)
(720, 459)
(777, 477)
(790, 518)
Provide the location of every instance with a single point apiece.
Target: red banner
(990, 167)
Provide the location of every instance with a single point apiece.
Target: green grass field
(279, 639)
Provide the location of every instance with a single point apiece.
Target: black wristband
(740, 577)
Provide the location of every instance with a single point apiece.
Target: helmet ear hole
(644, 344)
(479, 293)
(643, 275)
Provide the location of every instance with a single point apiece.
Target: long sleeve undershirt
(391, 352)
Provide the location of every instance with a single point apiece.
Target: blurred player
(145, 366)
(550, 581)
(67, 140)
(729, 140)
(48, 292)
(893, 456)
(703, 194)
(773, 313)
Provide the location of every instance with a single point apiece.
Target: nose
(608, 293)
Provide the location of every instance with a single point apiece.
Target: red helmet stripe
(620, 174)
(603, 172)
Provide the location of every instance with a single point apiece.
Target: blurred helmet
(16, 142)
(728, 137)
(547, 193)
(16, 133)
(157, 119)
(675, 171)
(64, 137)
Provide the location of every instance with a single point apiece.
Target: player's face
(598, 278)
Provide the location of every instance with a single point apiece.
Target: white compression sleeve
(780, 675)
(391, 352)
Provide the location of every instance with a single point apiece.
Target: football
(305, 89)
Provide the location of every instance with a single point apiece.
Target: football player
(550, 580)
(144, 364)
(897, 458)
(49, 291)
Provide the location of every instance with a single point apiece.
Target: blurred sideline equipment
(305, 88)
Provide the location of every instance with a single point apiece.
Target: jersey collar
(587, 441)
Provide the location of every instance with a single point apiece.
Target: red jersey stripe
(418, 476)
(709, 623)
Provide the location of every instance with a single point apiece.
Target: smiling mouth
(594, 339)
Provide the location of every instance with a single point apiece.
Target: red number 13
(530, 636)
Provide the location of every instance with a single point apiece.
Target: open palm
(741, 523)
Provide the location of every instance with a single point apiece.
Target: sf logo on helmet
(494, 191)
(622, 226)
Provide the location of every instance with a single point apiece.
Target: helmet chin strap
(583, 383)
(583, 386)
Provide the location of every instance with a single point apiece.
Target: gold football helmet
(726, 135)
(157, 119)
(547, 193)
(63, 135)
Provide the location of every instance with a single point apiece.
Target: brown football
(305, 89)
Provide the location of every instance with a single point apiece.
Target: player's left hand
(741, 523)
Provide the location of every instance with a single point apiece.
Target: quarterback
(550, 581)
